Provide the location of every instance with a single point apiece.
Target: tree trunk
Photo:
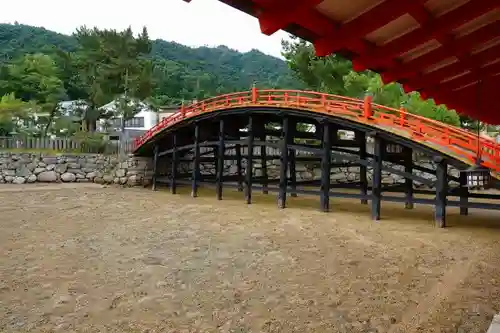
(49, 122)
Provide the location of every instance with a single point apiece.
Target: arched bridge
(231, 140)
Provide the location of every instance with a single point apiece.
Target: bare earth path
(91, 259)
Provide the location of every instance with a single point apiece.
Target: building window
(137, 122)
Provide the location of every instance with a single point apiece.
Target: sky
(201, 22)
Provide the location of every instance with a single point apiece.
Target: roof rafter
(434, 29)
(434, 77)
(459, 46)
(350, 35)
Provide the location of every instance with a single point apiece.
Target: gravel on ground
(106, 259)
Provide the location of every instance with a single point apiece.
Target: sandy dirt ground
(92, 259)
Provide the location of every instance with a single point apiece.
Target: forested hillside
(180, 72)
(43, 67)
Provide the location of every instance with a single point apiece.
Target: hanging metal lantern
(477, 176)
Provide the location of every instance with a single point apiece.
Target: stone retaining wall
(21, 168)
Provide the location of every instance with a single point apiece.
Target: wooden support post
(215, 152)
(325, 168)
(464, 194)
(441, 191)
(263, 156)
(220, 161)
(363, 177)
(249, 168)
(196, 162)
(293, 173)
(239, 172)
(408, 163)
(173, 172)
(283, 164)
(292, 127)
(377, 177)
(155, 166)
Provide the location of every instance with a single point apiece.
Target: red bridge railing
(461, 143)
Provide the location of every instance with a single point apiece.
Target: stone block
(19, 180)
(9, 172)
(47, 177)
(61, 168)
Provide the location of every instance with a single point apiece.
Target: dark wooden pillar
(263, 156)
(219, 178)
(408, 163)
(155, 166)
(464, 194)
(325, 168)
(173, 172)
(363, 177)
(239, 172)
(215, 152)
(293, 173)
(292, 128)
(441, 191)
(283, 164)
(377, 177)
(196, 162)
(249, 168)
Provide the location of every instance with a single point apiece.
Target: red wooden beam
(435, 29)
(283, 13)
(465, 95)
(434, 77)
(350, 35)
(458, 47)
(485, 109)
(487, 74)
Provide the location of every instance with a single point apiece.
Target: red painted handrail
(458, 142)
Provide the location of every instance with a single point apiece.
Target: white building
(145, 119)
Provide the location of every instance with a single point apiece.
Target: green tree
(112, 66)
(12, 110)
(34, 77)
(325, 74)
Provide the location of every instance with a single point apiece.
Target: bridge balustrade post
(367, 106)
(249, 168)
(155, 166)
(408, 165)
(183, 111)
(255, 95)
(378, 154)
(283, 164)
(402, 117)
(441, 191)
(173, 172)
(220, 161)
(196, 162)
(325, 168)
